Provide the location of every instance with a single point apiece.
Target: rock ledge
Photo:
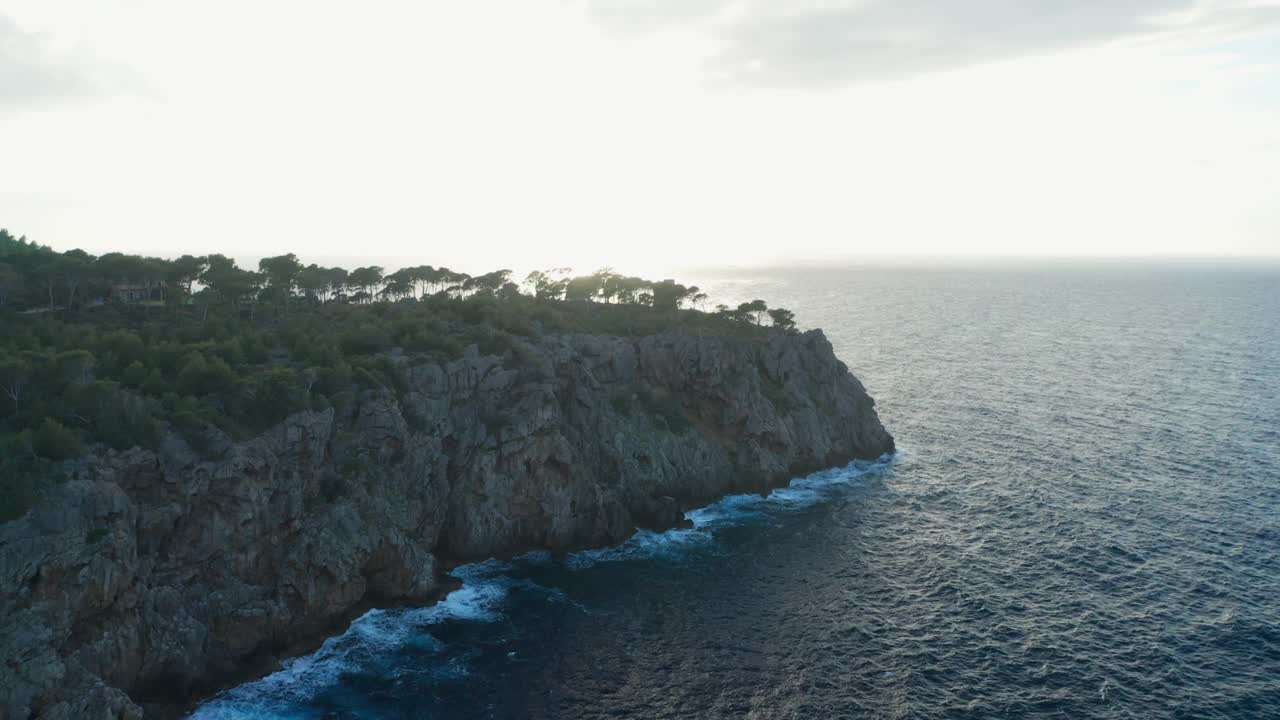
(151, 577)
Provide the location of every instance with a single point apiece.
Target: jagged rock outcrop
(150, 576)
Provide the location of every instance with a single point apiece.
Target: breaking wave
(382, 641)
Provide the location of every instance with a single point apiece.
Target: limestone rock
(146, 578)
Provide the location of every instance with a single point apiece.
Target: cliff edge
(149, 577)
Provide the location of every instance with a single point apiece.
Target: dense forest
(117, 349)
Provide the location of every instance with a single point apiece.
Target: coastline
(195, 574)
(702, 518)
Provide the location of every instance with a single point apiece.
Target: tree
(584, 288)
(313, 281)
(10, 283)
(232, 284)
(421, 276)
(75, 270)
(367, 279)
(337, 280)
(206, 297)
(754, 309)
(275, 395)
(20, 280)
(607, 288)
(49, 270)
(784, 319)
(281, 272)
(509, 291)
(15, 376)
(670, 295)
(55, 442)
(398, 286)
(737, 314)
(488, 283)
(184, 271)
(455, 282)
(75, 365)
(614, 288)
(632, 290)
(242, 286)
(120, 269)
(438, 278)
(548, 284)
(200, 376)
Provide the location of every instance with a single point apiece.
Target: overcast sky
(636, 133)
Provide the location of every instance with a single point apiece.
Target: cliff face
(149, 576)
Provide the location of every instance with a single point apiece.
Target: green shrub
(122, 348)
(379, 372)
(131, 422)
(255, 350)
(333, 380)
(276, 395)
(230, 351)
(448, 348)
(155, 384)
(493, 343)
(201, 376)
(134, 375)
(54, 441)
(365, 340)
(167, 356)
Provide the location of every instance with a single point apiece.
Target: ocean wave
(381, 634)
(368, 642)
(733, 510)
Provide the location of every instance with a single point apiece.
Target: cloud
(32, 72)
(836, 42)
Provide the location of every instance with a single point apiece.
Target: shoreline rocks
(152, 577)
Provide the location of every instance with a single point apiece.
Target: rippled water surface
(1084, 523)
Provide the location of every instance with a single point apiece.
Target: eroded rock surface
(151, 576)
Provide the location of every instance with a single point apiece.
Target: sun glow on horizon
(440, 134)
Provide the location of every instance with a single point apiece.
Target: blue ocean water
(1083, 522)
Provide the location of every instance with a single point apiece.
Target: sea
(1082, 521)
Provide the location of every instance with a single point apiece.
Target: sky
(642, 133)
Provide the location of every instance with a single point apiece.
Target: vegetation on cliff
(119, 349)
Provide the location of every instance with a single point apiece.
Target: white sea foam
(732, 510)
(372, 637)
(485, 586)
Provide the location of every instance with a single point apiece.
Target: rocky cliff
(149, 577)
